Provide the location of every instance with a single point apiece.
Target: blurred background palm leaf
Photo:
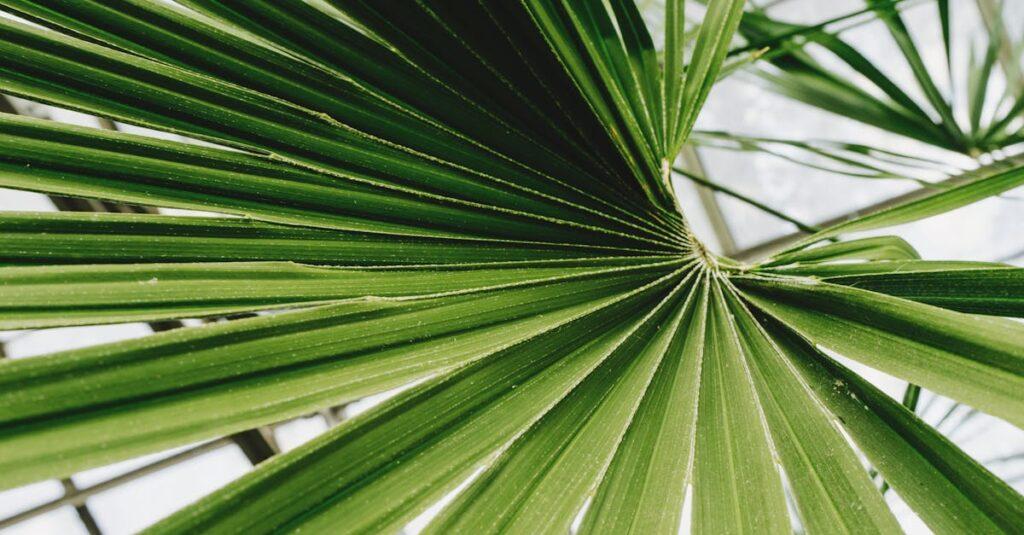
(470, 206)
(968, 106)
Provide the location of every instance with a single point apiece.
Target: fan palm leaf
(973, 109)
(468, 203)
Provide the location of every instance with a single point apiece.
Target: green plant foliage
(973, 110)
(472, 201)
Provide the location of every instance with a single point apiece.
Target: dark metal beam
(83, 512)
(690, 160)
(78, 497)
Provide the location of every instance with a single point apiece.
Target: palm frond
(470, 207)
(880, 101)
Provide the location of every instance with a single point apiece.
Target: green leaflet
(181, 101)
(623, 65)
(997, 134)
(977, 289)
(581, 45)
(733, 465)
(716, 32)
(126, 168)
(901, 34)
(950, 491)
(168, 355)
(980, 73)
(975, 359)
(36, 297)
(943, 7)
(365, 100)
(643, 63)
(673, 77)
(839, 269)
(847, 100)
(876, 248)
(470, 69)
(803, 78)
(107, 238)
(942, 201)
(935, 121)
(543, 478)
(420, 444)
(296, 362)
(835, 493)
(644, 487)
(850, 159)
(37, 155)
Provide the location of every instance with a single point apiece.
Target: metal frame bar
(690, 161)
(76, 497)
